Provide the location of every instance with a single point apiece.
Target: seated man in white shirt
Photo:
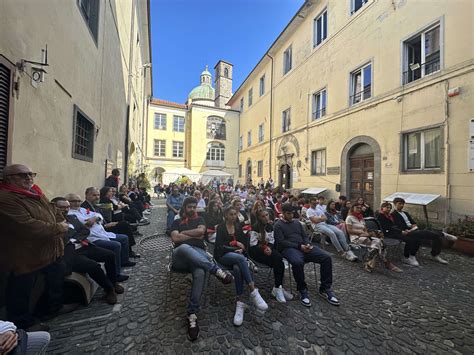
(338, 238)
(118, 243)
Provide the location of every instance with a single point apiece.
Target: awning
(314, 190)
(172, 175)
(413, 198)
(209, 175)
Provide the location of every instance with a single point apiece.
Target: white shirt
(321, 208)
(407, 221)
(97, 231)
(201, 203)
(314, 212)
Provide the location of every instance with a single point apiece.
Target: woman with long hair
(213, 218)
(334, 218)
(359, 234)
(262, 249)
(229, 251)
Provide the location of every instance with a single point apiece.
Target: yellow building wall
(92, 76)
(198, 142)
(374, 33)
(167, 162)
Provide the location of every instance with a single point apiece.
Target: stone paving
(425, 310)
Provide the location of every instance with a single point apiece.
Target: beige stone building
(200, 135)
(366, 98)
(82, 114)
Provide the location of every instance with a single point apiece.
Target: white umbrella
(172, 175)
(208, 175)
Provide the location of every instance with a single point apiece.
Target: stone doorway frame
(345, 166)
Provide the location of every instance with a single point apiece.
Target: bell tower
(223, 83)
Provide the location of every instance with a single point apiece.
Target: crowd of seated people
(52, 239)
(247, 225)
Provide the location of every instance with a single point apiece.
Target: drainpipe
(271, 116)
(447, 215)
(129, 90)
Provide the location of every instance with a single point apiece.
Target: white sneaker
(439, 259)
(277, 292)
(349, 255)
(258, 301)
(288, 295)
(450, 237)
(411, 260)
(239, 313)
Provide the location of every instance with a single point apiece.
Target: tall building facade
(199, 135)
(84, 110)
(366, 98)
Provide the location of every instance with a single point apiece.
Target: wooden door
(362, 178)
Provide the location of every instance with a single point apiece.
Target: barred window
(83, 145)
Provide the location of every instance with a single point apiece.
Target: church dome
(205, 91)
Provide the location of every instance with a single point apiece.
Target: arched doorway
(285, 176)
(248, 175)
(361, 170)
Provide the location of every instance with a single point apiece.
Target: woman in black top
(262, 249)
(229, 251)
(367, 211)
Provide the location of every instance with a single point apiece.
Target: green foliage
(464, 227)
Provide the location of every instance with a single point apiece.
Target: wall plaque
(333, 170)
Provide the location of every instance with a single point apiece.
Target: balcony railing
(417, 71)
(361, 95)
(319, 113)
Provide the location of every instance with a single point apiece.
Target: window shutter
(5, 90)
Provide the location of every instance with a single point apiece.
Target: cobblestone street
(424, 310)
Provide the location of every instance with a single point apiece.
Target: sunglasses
(25, 175)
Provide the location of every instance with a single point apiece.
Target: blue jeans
(337, 236)
(240, 269)
(119, 246)
(297, 259)
(187, 258)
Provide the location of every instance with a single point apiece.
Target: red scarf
(358, 215)
(388, 216)
(186, 219)
(35, 192)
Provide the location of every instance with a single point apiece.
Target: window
(320, 28)
(319, 104)
(357, 4)
(90, 12)
(287, 61)
(241, 104)
(178, 123)
(262, 86)
(261, 133)
(422, 54)
(260, 168)
(241, 143)
(249, 138)
(250, 97)
(6, 109)
(160, 121)
(178, 149)
(83, 145)
(215, 128)
(240, 170)
(318, 162)
(361, 84)
(226, 72)
(422, 149)
(286, 120)
(159, 148)
(216, 151)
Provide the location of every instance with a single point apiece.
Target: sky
(187, 35)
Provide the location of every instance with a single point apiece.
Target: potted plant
(464, 230)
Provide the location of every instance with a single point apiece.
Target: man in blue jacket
(294, 245)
